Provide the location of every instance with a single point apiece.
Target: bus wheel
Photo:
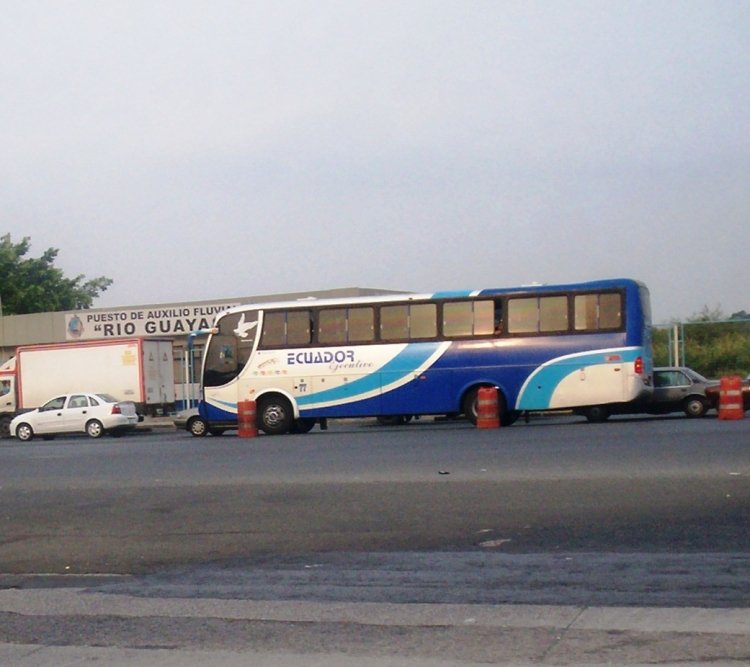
(469, 407)
(394, 420)
(597, 413)
(274, 415)
(302, 425)
(509, 417)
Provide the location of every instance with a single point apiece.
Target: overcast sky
(204, 150)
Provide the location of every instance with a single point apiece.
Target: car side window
(78, 402)
(681, 380)
(54, 404)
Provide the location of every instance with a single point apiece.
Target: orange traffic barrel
(487, 408)
(730, 398)
(246, 422)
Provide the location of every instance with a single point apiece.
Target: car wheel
(597, 414)
(274, 415)
(24, 432)
(197, 427)
(695, 406)
(94, 429)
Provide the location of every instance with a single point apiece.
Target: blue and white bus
(584, 346)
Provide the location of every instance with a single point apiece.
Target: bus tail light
(638, 366)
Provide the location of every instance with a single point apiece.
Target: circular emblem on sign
(75, 326)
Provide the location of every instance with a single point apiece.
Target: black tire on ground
(4, 427)
(597, 413)
(94, 429)
(302, 425)
(695, 406)
(469, 407)
(197, 427)
(24, 432)
(275, 415)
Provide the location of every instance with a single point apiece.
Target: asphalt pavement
(116, 630)
(189, 616)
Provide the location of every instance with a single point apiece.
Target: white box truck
(134, 369)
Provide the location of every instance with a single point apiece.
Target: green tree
(35, 285)
(714, 345)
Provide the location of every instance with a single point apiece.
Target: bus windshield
(229, 349)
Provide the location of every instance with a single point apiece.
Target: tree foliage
(713, 344)
(35, 285)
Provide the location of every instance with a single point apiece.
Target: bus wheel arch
(275, 414)
(469, 405)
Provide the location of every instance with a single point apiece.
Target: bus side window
(598, 311)
(361, 325)
(497, 319)
(394, 322)
(523, 315)
(610, 311)
(484, 318)
(274, 330)
(553, 313)
(458, 319)
(422, 320)
(332, 326)
(298, 327)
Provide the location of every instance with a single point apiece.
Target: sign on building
(157, 321)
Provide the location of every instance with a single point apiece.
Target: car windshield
(106, 398)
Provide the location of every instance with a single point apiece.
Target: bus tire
(509, 417)
(469, 407)
(275, 415)
(302, 425)
(4, 427)
(394, 420)
(597, 414)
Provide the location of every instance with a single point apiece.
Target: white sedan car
(94, 414)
